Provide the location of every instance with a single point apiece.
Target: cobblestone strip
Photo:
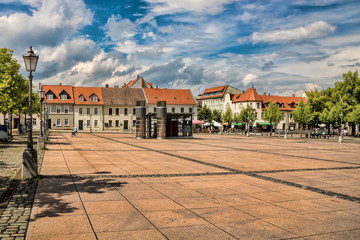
(14, 219)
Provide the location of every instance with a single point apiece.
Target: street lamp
(41, 96)
(30, 165)
(341, 131)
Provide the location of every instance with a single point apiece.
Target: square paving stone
(152, 234)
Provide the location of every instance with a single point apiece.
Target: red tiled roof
(216, 89)
(131, 83)
(249, 96)
(171, 96)
(285, 100)
(212, 96)
(87, 92)
(57, 89)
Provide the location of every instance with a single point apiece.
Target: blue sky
(280, 46)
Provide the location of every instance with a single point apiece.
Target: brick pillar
(140, 113)
(161, 119)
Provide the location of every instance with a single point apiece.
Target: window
(116, 123)
(95, 123)
(88, 123)
(110, 123)
(125, 111)
(94, 98)
(250, 104)
(63, 96)
(117, 112)
(110, 111)
(58, 109)
(50, 96)
(34, 121)
(58, 122)
(96, 112)
(82, 99)
(256, 115)
(66, 122)
(173, 110)
(80, 111)
(154, 109)
(134, 111)
(182, 110)
(258, 105)
(49, 108)
(88, 111)
(134, 123)
(190, 110)
(126, 124)
(66, 109)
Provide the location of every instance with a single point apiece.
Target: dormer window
(50, 96)
(82, 99)
(94, 98)
(64, 95)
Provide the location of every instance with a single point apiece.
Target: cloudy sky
(280, 46)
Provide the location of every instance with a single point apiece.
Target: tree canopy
(205, 114)
(273, 115)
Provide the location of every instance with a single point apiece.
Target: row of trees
(14, 88)
(334, 106)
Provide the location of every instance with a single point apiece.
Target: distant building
(214, 97)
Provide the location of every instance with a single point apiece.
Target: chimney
(293, 95)
(157, 86)
(264, 93)
(60, 84)
(107, 85)
(117, 86)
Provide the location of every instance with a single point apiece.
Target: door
(126, 124)
(81, 124)
(49, 123)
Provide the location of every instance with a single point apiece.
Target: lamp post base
(30, 164)
(40, 143)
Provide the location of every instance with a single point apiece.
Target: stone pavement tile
(133, 187)
(223, 214)
(156, 205)
(302, 194)
(101, 195)
(116, 222)
(60, 197)
(51, 209)
(303, 206)
(87, 236)
(256, 229)
(59, 225)
(338, 204)
(173, 218)
(272, 196)
(142, 194)
(301, 225)
(265, 210)
(237, 199)
(198, 202)
(152, 234)
(215, 191)
(205, 232)
(102, 207)
(348, 235)
(339, 220)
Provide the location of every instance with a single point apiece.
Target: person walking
(74, 132)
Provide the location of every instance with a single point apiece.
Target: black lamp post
(41, 96)
(30, 166)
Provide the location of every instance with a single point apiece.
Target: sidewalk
(111, 186)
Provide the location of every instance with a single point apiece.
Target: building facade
(214, 97)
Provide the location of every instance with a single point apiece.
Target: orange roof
(216, 89)
(286, 101)
(249, 96)
(131, 83)
(56, 90)
(171, 96)
(87, 92)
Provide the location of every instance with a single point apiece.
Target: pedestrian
(74, 132)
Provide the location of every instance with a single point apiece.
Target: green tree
(216, 115)
(247, 116)
(13, 86)
(228, 117)
(205, 114)
(273, 115)
(302, 115)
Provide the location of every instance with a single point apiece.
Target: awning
(237, 124)
(195, 121)
(264, 124)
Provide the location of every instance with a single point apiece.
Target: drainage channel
(251, 174)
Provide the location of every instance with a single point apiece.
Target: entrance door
(49, 123)
(81, 124)
(126, 124)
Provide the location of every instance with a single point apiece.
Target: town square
(193, 119)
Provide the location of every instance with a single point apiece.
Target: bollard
(161, 119)
(140, 113)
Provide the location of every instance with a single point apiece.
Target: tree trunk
(271, 129)
(10, 121)
(353, 126)
(300, 130)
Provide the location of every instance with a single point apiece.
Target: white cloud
(49, 23)
(211, 7)
(249, 78)
(310, 31)
(119, 29)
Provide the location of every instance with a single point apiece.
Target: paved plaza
(112, 186)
